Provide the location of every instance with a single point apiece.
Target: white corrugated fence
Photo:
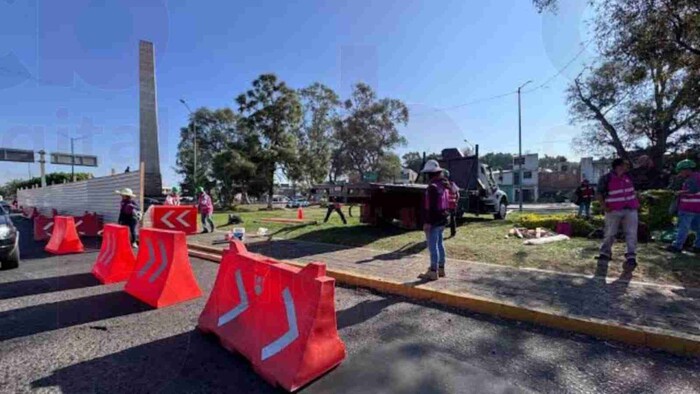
(93, 195)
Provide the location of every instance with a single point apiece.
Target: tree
(642, 94)
(215, 130)
(551, 162)
(546, 5)
(497, 160)
(272, 113)
(53, 178)
(316, 136)
(369, 129)
(414, 160)
(389, 167)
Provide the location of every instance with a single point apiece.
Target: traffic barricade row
(89, 225)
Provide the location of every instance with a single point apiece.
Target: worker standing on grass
(334, 205)
(688, 206)
(454, 199)
(206, 209)
(435, 213)
(173, 197)
(584, 198)
(617, 196)
(129, 212)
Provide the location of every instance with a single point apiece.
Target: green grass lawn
(478, 239)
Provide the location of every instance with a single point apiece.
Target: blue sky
(71, 68)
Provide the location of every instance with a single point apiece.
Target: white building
(593, 169)
(509, 180)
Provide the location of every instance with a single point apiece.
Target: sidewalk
(617, 300)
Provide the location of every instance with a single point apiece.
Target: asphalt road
(60, 331)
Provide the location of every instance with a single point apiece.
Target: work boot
(631, 263)
(602, 257)
(441, 272)
(429, 275)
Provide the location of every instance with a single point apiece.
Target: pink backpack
(443, 201)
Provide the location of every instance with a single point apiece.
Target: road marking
(181, 219)
(242, 304)
(151, 258)
(165, 220)
(292, 334)
(163, 262)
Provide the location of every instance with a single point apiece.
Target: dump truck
(383, 203)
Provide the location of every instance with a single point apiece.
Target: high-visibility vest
(690, 202)
(453, 197)
(621, 193)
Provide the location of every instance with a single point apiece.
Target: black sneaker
(631, 263)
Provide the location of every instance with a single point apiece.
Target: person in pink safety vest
(618, 198)
(206, 209)
(174, 197)
(688, 207)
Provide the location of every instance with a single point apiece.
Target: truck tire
(12, 260)
(502, 211)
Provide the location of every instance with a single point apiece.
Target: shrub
(654, 209)
(581, 227)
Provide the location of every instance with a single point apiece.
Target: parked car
(298, 203)
(9, 240)
(280, 200)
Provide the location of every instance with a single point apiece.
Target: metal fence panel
(93, 195)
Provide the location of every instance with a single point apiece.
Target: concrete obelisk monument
(148, 120)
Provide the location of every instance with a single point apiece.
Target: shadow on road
(362, 312)
(184, 363)
(47, 317)
(29, 287)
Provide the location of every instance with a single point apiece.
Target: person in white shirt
(174, 197)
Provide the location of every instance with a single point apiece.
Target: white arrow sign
(152, 259)
(242, 304)
(47, 227)
(165, 220)
(181, 219)
(77, 224)
(110, 249)
(293, 333)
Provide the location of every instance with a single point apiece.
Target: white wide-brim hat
(125, 192)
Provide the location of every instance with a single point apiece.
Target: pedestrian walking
(129, 212)
(435, 214)
(584, 198)
(618, 198)
(453, 202)
(334, 206)
(688, 207)
(173, 197)
(206, 209)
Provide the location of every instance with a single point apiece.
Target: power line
(481, 100)
(561, 70)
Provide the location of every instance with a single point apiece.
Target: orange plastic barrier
(116, 261)
(64, 238)
(43, 227)
(163, 275)
(281, 318)
(175, 217)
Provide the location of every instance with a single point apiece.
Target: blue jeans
(687, 221)
(436, 248)
(584, 207)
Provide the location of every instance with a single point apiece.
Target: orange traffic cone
(300, 213)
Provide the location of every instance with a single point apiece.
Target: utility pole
(42, 167)
(520, 150)
(72, 153)
(194, 144)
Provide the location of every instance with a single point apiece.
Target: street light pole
(72, 154)
(520, 150)
(194, 144)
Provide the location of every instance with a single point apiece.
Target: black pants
(453, 223)
(131, 223)
(332, 208)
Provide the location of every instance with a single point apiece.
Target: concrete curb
(633, 335)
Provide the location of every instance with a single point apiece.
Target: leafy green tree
(551, 162)
(369, 129)
(316, 140)
(643, 92)
(497, 160)
(389, 168)
(414, 160)
(215, 130)
(272, 112)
